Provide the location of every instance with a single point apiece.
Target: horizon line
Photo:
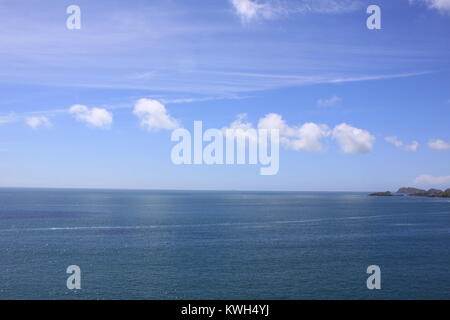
(174, 189)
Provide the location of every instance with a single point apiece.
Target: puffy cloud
(240, 123)
(249, 10)
(307, 137)
(442, 5)
(425, 179)
(401, 145)
(241, 128)
(153, 115)
(333, 101)
(438, 144)
(353, 140)
(274, 121)
(95, 117)
(36, 122)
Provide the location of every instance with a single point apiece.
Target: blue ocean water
(221, 245)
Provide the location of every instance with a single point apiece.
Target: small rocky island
(381, 194)
(414, 192)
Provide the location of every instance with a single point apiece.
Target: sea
(136, 244)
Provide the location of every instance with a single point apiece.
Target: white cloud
(252, 10)
(36, 122)
(412, 147)
(438, 144)
(240, 123)
(307, 137)
(325, 6)
(401, 145)
(425, 179)
(95, 117)
(240, 127)
(353, 140)
(274, 121)
(249, 10)
(153, 115)
(333, 101)
(440, 5)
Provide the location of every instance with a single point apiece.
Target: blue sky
(306, 61)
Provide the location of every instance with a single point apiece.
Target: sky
(357, 109)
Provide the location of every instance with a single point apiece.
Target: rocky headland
(414, 192)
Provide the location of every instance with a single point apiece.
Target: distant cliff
(410, 191)
(415, 192)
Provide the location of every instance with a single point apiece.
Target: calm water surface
(221, 245)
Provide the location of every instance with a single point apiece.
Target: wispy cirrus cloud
(426, 179)
(442, 6)
(9, 118)
(164, 57)
(378, 77)
(325, 6)
(413, 146)
(253, 10)
(329, 102)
